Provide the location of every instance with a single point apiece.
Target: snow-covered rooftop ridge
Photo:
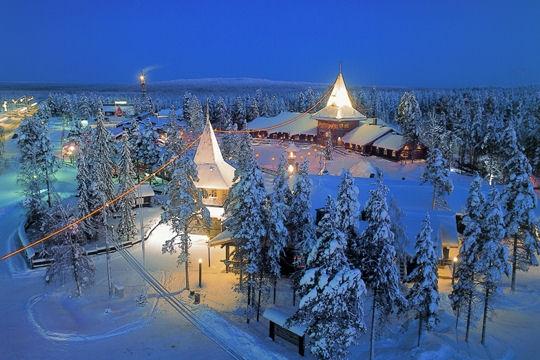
(390, 141)
(304, 124)
(213, 171)
(366, 134)
(339, 105)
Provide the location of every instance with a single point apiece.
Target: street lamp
(200, 272)
(454, 262)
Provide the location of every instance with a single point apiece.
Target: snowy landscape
(246, 218)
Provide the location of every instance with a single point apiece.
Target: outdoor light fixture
(200, 272)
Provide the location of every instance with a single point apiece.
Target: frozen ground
(42, 322)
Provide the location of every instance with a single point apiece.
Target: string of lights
(147, 178)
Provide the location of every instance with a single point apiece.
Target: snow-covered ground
(42, 322)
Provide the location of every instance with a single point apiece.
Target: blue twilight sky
(431, 43)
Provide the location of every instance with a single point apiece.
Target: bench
(294, 334)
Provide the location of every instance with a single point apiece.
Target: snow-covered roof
(213, 171)
(222, 238)
(280, 316)
(304, 124)
(365, 134)
(143, 190)
(339, 105)
(391, 141)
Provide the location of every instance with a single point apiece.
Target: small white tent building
(215, 175)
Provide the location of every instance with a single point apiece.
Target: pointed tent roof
(213, 171)
(339, 105)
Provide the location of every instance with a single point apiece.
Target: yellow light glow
(200, 261)
(455, 259)
(290, 169)
(141, 78)
(339, 96)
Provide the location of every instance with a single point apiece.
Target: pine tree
(196, 115)
(300, 222)
(276, 219)
(523, 231)
(183, 205)
(127, 229)
(424, 295)
(464, 289)
(103, 170)
(245, 219)
(145, 148)
(331, 304)
(86, 186)
(223, 118)
(252, 111)
(186, 106)
(400, 235)
(492, 260)
(378, 260)
(38, 163)
(348, 209)
(408, 116)
(238, 113)
(437, 173)
(69, 257)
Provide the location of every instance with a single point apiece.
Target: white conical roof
(213, 171)
(339, 96)
(339, 105)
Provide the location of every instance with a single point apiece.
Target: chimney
(374, 121)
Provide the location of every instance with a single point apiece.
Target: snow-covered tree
(238, 113)
(492, 260)
(103, 170)
(196, 115)
(38, 163)
(183, 205)
(348, 208)
(230, 144)
(277, 235)
(126, 227)
(300, 222)
(87, 197)
(223, 118)
(423, 297)
(252, 110)
(245, 219)
(408, 116)
(400, 235)
(69, 257)
(332, 292)
(378, 260)
(437, 173)
(523, 233)
(144, 147)
(186, 106)
(464, 289)
(102, 159)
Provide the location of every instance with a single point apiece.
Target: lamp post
(454, 261)
(200, 272)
